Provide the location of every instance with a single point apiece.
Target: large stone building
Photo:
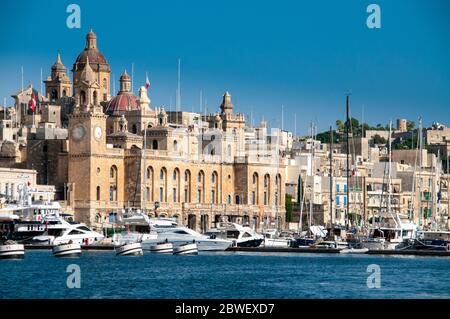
(124, 153)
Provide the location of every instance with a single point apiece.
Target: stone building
(123, 154)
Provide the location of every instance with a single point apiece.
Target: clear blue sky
(303, 54)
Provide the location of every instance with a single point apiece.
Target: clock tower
(87, 144)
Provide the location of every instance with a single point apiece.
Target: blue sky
(304, 55)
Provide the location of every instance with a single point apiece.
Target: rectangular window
(337, 200)
(175, 195)
(345, 188)
(345, 200)
(161, 194)
(337, 188)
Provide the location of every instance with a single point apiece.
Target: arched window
(163, 185)
(214, 188)
(54, 96)
(266, 189)
(175, 146)
(149, 183)
(94, 97)
(255, 189)
(98, 193)
(278, 199)
(229, 150)
(176, 185)
(187, 186)
(155, 144)
(82, 97)
(134, 129)
(64, 93)
(237, 200)
(229, 199)
(201, 187)
(105, 84)
(113, 184)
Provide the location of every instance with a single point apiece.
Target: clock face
(97, 132)
(78, 132)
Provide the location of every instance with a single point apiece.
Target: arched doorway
(192, 221)
(204, 223)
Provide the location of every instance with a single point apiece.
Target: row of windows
(187, 188)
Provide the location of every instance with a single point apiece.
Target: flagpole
(132, 77)
(41, 81)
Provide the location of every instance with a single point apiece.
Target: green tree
(377, 139)
(288, 205)
(340, 126)
(410, 125)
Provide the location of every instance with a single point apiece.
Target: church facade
(123, 153)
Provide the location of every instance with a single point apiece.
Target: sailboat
(392, 227)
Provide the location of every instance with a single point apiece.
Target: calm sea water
(224, 275)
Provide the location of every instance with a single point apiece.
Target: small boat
(186, 249)
(12, 250)
(162, 248)
(354, 251)
(130, 249)
(67, 250)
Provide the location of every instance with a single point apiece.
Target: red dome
(123, 102)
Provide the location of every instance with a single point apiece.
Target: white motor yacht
(59, 231)
(274, 238)
(12, 250)
(390, 233)
(169, 231)
(242, 236)
(138, 229)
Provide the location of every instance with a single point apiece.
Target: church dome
(96, 58)
(124, 101)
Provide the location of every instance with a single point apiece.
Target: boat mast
(389, 169)
(347, 129)
(312, 177)
(331, 177)
(420, 169)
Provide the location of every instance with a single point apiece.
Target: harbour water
(224, 275)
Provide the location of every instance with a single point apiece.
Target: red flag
(353, 172)
(32, 103)
(147, 82)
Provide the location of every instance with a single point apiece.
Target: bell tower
(58, 84)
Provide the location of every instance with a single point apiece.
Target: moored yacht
(274, 238)
(11, 250)
(242, 236)
(59, 231)
(138, 229)
(169, 231)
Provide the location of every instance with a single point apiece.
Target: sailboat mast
(312, 177)
(420, 170)
(331, 177)
(348, 160)
(389, 168)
